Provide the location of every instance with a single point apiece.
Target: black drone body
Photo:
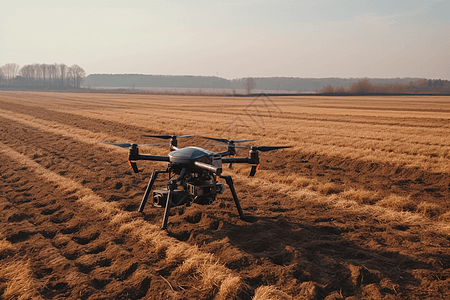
(198, 172)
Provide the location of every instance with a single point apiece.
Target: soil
(306, 249)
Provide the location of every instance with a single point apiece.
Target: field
(358, 208)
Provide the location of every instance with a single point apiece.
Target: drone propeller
(264, 148)
(254, 155)
(229, 144)
(128, 145)
(167, 137)
(133, 148)
(225, 141)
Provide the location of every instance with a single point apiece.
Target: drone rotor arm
(235, 160)
(151, 157)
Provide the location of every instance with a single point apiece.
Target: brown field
(358, 208)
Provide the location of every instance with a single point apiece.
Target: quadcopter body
(200, 181)
(197, 173)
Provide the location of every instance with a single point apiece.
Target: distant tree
(327, 89)
(70, 77)
(19, 81)
(249, 84)
(78, 75)
(10, 71)
(37, 72)
(2, 76)
(27, 73)
(44, 70)
(62, 73)
(339, 90)
(361, 87)
(53, 73)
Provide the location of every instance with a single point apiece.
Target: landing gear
(200, 188)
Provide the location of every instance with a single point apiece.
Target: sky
(231, 38)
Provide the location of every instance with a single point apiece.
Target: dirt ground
(320, 240)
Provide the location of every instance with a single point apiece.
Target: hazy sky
(231, 38)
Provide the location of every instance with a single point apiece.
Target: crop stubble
(358, 207)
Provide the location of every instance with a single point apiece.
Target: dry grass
(391, 209)
(5, 247)
(394, 130)
(212, 277)
(399, 131)
(445, 217)
(270, 293)
(398, 203)
(20, 283)
(379, 129)
(428, 209)
(77, 134)
(361, 196)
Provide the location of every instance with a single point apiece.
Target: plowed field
(359, 207)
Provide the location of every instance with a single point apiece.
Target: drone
(198, 171)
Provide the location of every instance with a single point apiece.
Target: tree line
(268, 84)
(41, 76)
(364, 86)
